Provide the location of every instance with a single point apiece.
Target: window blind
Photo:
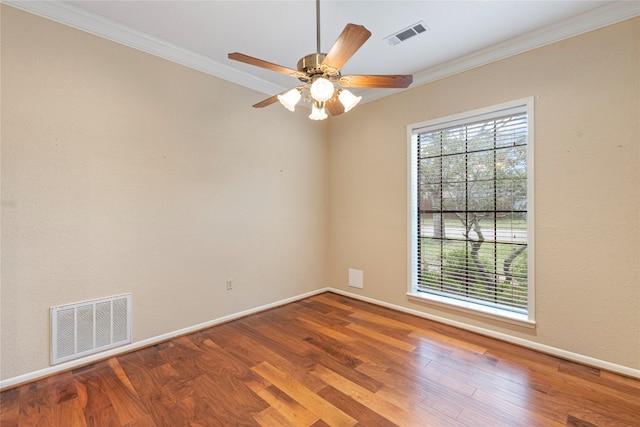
(471, 207)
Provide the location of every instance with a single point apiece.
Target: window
(471, 195)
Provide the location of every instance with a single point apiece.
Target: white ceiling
(462, 34)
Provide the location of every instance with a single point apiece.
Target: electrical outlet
(229, 284)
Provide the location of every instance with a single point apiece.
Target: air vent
(407, 33)
(88, 327)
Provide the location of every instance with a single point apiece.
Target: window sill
(472, 308)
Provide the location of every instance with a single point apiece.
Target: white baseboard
(33, 376)
(553, 351)
(602, 364)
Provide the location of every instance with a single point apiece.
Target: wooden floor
(328, 361)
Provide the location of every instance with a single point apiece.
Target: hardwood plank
(310, 340)
(381, 406)
(104, 418)
(91, 394)
(125, 402)
(240, 392)
(152, 356)
(271, 417)
(296, 353)
(577, 422)
(62, 388)
(352, 343)
(217, 360)
(326, 299)
(381, 338)
(287, 408)
(143, 422)
(328, 331)
(520, 357)
(514, 413)
(505, 388)
(35, 409)
(469, 417)
(229, 409)
(254, 353)
(289, 336)
(329, 320)
(381, 321)
(562, 392)
(349, 372)
(310, 400)
(413, 390)
(163, 407)
(200, 410)
(320, 306)
(69, 413)
(121, 375)
(446, 341)
(323, 361)
(333, 349)
(568, 398)
(148, 380)
(429, 406)
(182, 360)
(431, 386)
(364, 415)
(617, 384)
(10, 407)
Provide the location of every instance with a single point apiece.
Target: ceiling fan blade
(350, 40)
(334, 106)
(386, 81)
(266, 102)
(263, 64)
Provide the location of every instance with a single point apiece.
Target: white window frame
(528, 319)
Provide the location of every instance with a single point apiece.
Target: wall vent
(88, 327)
(407, 33)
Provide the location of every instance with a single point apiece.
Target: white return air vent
(407, 33)
(88, 327)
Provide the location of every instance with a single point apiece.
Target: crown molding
(608, 14)
(579, 24)
(77, 18)
(72, 16)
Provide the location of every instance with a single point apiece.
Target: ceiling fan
(320, 71)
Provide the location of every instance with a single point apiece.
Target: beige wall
(123, 172)
(587, 188)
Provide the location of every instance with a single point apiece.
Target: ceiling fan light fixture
(290, 98)
(320, 74)
(322, 89)
(348, 100)
(317, 111)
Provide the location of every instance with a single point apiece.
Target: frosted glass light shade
(348, 100)
(322, 89)
(317, 111)
(290, 99)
